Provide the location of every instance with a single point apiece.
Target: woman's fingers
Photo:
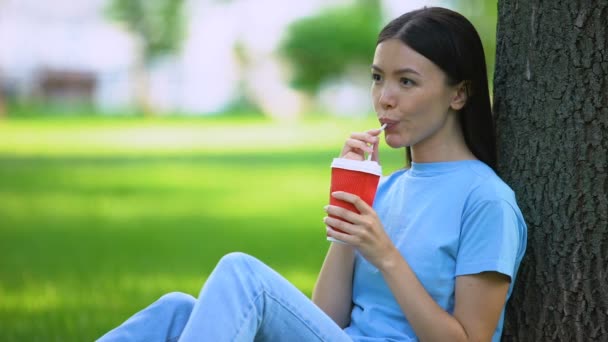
(376, 154)
(369, 137)
(358, 144)
(355, 200)
(344, 237)
(342, 213)
(336, 223)
(355, 149)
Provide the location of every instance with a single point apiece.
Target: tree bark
(142, 89)
(551, 108)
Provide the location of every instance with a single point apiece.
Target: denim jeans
(242, 300)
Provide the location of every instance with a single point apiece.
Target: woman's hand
(358, 144)
(363, 231)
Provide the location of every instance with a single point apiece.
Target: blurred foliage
(483, 15)
(158, 23)
(242, 105)
(324, 46)
(37, 108)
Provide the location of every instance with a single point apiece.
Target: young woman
(436, 257)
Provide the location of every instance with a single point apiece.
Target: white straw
(369, 156)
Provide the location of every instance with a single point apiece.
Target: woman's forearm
(333, 290)
(427, 318)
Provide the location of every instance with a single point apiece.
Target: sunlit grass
(100, 217)
(70, 137)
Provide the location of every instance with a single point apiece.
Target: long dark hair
(450, 41)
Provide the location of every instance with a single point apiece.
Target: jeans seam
(255, 299)
(296, 315)
(277, 300)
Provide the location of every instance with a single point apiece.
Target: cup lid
(367, 166)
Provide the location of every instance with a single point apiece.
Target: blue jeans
(242, 300)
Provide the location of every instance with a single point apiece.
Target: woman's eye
(376, 77)
(406, 82)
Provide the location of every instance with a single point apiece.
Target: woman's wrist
(390, 261)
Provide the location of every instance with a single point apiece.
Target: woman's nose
(387, 99)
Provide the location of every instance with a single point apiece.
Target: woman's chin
(394, 142)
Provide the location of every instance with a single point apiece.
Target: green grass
(99, 217)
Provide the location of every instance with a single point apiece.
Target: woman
(436, 257)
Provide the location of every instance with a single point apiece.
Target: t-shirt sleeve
(490, 239)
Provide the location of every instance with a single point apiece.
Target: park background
(142, 140)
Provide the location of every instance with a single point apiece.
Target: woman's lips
(388, 122)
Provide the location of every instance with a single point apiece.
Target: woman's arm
(479, 300)
(333, 290)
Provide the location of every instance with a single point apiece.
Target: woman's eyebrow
(398, 71)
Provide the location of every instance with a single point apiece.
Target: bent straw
(369, 156)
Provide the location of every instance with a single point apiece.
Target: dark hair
(450, 41)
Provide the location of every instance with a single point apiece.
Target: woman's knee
(177, 302)
(237, 260)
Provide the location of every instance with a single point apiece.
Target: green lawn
(99, 217)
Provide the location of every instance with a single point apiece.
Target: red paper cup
(358, 177)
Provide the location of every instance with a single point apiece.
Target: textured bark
(551, 107)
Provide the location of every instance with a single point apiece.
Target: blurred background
(140, 140)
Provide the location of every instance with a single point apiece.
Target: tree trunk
(551, 107)
(142, 89)
(141, 80)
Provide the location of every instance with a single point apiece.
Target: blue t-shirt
(447, 219)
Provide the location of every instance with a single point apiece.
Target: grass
(99, 217)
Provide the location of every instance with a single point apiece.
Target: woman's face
(411, 95)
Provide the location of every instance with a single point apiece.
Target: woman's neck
(447, 145)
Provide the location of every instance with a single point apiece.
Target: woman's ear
(461, 96)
